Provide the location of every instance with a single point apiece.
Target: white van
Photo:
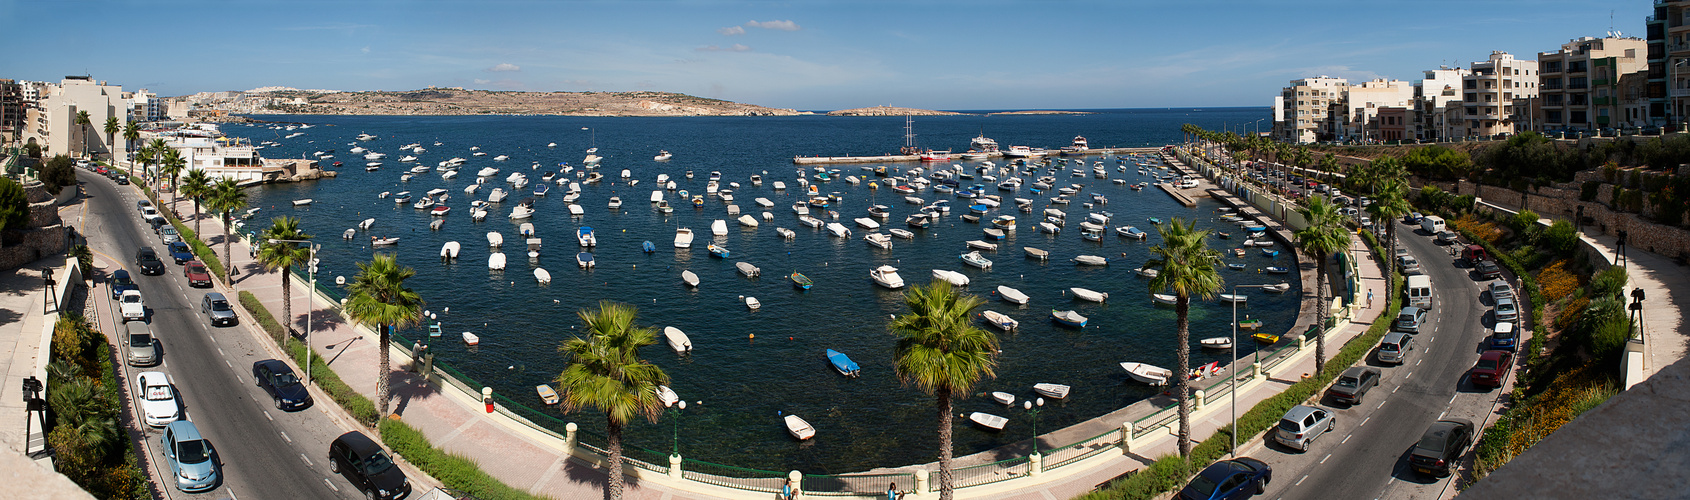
(1420, 291)
(1432, 224)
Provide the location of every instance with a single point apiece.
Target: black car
(148, 262)
(180, 253)
(119, 282)
(1487, 269)
(1442, 446)
(279, 381)
(367, 467)
(1236, 479)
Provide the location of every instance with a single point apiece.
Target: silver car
(216, 308)
(141, 347)
(1301, 425)
(1394, 347)
(1506, 310)
(1409, 265)
(168, 235)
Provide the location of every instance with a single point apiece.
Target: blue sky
(816, 55)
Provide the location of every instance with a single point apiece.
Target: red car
(197, 274)
(1492, 368)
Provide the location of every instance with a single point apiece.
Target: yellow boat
(1266, 337)
(546, 394)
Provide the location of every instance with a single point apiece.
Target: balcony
(1604, 101)
(1681, 92)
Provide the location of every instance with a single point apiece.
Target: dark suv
(367, 467)
(119, 282)
(147, 261)
(278, 380)
(1441, 447)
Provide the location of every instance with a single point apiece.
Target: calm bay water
(737, 387)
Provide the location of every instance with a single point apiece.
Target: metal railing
(1086, 448)
(1002, 470)
(855, 484)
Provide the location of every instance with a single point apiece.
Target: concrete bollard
(923, 483)
(1197, 400)
(1256, 371)
(1035, 464)
(675, 466)
(794, 484)
(487, 398)
(569, 437)
(1126, 438)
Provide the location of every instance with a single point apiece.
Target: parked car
(1412, 219)
(180, 252)
(142, 205)
(140, 348)
(1300, 425)
(122, 180)
(131, 305)
(1500, 290)
(191, 457)
(1353, 384)
(1410, 319)
(1409, 265)
(168, 235)
(1441, 446)
(149, 214)
(1504, 336)
(1394, 347)
(1493, 366)
(367, 467)
(1448, 237)
(1487, 270)
(217, 309)
(1506, 311)
(198, 275)
(157, 395)
(119, 282)
(279, 381)
(146, 260)
(1235, 479)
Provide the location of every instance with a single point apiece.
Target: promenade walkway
(533, 460)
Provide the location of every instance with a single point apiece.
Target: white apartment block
(54, 121)
(1496, 95)
(145, 106)
(1593, 83)
(1367, 98)
(1439, 91)
(1312, 109)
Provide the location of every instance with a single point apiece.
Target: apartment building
(1438, 93)
(1365, 101)
(1592, 84)
(1496, 95)
(144, 106)
(54, 119)
(12, 111)
(1312, 109)
(1667, 36)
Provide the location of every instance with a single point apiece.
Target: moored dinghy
(750, 271)
(953, 277)
(798, 428)
(1069, 318)
(1162, 298)
(1088, 295)
(678, 339)
(1004, 398)
(988, 420)
(689, 279)
(843, 363)
(1216, 342)
(1149, 374)
(1000, 320)
(496, 261)
(1091, 260)
(542, 276)
(752, 303)
(1053, 391)
(1036, 253)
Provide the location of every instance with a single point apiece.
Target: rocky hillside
(456, 101)
(890, 111)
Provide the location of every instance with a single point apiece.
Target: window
(1553, 99)
(1552, 116)
(1577, 82)
(1552, 67)
(1578, 117)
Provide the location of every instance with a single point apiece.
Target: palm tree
(82, 121)
(378, 296)
(157, 147)
(172, 165)
(284, 255)
(1186, 265)
(226, 198)
(1324, 236)
(605, 372)
(196, 186)
(941, 351)
(112, 127)
(131, 133)
(1390, 201)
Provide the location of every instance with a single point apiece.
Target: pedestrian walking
(892, 491)
(1370, 298)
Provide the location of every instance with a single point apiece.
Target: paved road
(1366, 454)
(265, 453)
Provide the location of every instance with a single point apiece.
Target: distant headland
(458, 101)
(890, 111)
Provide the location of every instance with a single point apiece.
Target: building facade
(12, 111)
(1365, 101)
(1438, 93)
(1312, 109)
(55, 125)
(1496, 96)
(1583, 86)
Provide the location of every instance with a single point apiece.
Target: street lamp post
(1032, 408)
(1232, 386)
(678, 406)
(311, 273)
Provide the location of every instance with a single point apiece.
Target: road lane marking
(305, 459)
(1364, 421)
(1394, 389)
(1380, 405)
(239, 379)
(1328, 455)
(1417, 362)
(220, 351)
(331, 485)
(1300, 480)
(285, 437)
(268, 417)
(1452, 398)
(231, 365)
(1346, 440)
(1409, 376)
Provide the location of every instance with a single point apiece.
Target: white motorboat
(1149, 374)
(683, 238)
(449, 250)
(501, 158)
(301, 203)
(657, 196)
(496, 261)
(719, 227)
(1236, 298)
(752, 303)
(988, 420)
(799, 428)
(1281, 287)
(785, 233)
(887, 276)
(1000, 320)
(1088, 295)
(1162, 298)
(1003, 398)
(1012, 295)
(667, 396)
(952, 277)
(1053, 391)
(662, 156)
(677, 339)
(747, 221)
(689, 278)
(497, 195)
(365, 225)
(881, 240)
(764, 202)
(810, 221)
(575, 210)
(585, 237)
(750, 271)
(779, 186)
(542, 275)
(487, 172)
(1147, 272)
(901, 233)
(838, 230)
(1216, 342)
(494, 239)
(615, 202)
(521, 212)
(867, 223)
(982, 245)
(1091, 260)
(471, 339)
(976, 260)
(1037, 253)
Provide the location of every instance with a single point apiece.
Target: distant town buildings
(1593, 83)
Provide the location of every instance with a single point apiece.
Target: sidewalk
(1665, 340)
(22, 297)
(538, 463)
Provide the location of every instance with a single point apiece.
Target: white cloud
(774, 25)
(504, 67)
(731, 48)
(731, 30)
(479, 81)
(366, 49)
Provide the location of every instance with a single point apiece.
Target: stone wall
(1562, 201)
(46, 234)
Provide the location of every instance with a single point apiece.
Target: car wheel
(334, 466)
(1261, 486)
(279, 404)
(370, 494)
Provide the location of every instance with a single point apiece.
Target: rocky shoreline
(457, 101)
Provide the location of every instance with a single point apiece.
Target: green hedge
(1169, 472)
(454, 471)
(361, 408)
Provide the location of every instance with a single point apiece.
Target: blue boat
(648, 247)
(801, 282)
(1068, 318)
(718, 252)
(1278, 270)
(1155, 220)
(1270, 253)
(843, 363)
(540, 189)
(979, 209)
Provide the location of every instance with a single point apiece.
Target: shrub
(1523, 220)
(1556, 280)
(1570, 312)
(454, 471)
(1609, 282)
(14, 205)
(1560, 236)
(1535, 418)
(58, 173)
(1587, 191)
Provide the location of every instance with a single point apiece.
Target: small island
(891, 111)
(1040, 112)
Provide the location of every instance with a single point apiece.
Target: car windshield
(167, 230)
(1347, 382)
(193, 452)
(140, 340)
(218, 305)
(286, 379)
(1487, 364)
(196, 269)
(123, 281)
(1432, 442)
(1406, 318)
(132, 298)
(158, 393)
(1202, 485)
(377, 464)
(1388, 348)
(1505, 306)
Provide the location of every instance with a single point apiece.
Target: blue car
(179, 251)
(191, 457)
(1236, 479)
(119, 282)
